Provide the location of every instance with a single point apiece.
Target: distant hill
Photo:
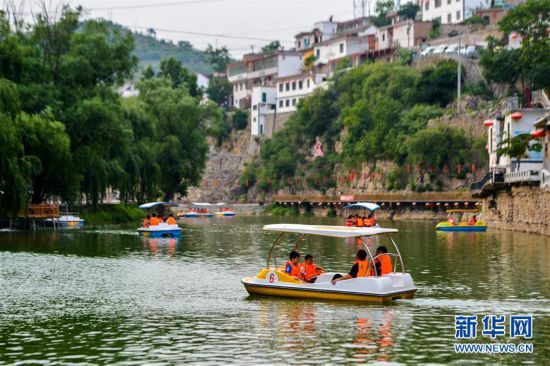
(151, 50)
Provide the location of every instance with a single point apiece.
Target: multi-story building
(339, 47)
(292, 89)
(449, 11)
(260, 70)
(263, 100)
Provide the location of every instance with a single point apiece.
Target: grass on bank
(112, 214)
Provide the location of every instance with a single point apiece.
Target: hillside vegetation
(375, 112)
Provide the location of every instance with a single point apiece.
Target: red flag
(459, 168)
(408, 169)
(473, 168)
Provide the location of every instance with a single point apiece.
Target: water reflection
(165, 245)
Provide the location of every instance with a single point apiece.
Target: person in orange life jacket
(360, 222)
(382, 263)
(171, 220)
(309, 271)
(154, 220)
(292, 267)
(354, 220)
(147, 221)
(349, 221)
(370, 221)
(359, 269)
(473, 220)
(451, 219)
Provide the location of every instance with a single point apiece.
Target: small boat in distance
(365, 220)
(274, 281)
(198, 209)
(163, 229)
(473, 223)
(224, 211)
(66, 221)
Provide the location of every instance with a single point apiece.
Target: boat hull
(373, 289)
(158, 232)
(447, 226)
(198, 215)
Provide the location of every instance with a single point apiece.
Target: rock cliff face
(523, 208)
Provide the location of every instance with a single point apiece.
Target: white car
(451, 49)
(439, 50)
(471, 52)
(427, 51)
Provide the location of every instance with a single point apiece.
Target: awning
(366, 205)
(150, 205)
(326, 230)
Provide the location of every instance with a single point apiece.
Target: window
(448, 18)
(280, 104)
(264, 97)
(427, 6)
(341, 48)
(448, 1)
(254, 119)
(307, 83)
(255, 107)
(287, 102)
(287, 86)
(437, 3)
(458, 15)
(306, 42)
(318, 53)
(300, 84)
(294, 101)
(293, 85)
(383, 37)
(280, 87)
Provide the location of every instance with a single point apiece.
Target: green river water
(104, 296)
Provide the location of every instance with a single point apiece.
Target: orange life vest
(349, 222)
(363, 268)
(369, 222)
(309, 271)
(295, 271)
(146, 223)
(472, 221)
(171, 221)
(385, 265)
(154, 221)
(359, 222)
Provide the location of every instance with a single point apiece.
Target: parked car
(451, 49)
(439, 50)
(453, 33)
(427, 51)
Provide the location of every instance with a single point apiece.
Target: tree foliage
(219, 58)
(66, 134)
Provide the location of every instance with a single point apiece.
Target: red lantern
(488, 123)
(538, 133)
(516, 115)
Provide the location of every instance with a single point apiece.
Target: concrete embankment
(523, 208)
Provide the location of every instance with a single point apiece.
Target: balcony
(523, 176)
(492, 180)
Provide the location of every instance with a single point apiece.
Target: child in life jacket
(292, 267)
(310, 271)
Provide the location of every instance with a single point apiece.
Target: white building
(261, 70)
(263, 103)
(339, 47)
(292, 89)
(449, 11)
(513, 124)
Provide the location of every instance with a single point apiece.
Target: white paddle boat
(273, 281)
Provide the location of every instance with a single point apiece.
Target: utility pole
(459, 82)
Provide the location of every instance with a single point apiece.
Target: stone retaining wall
(522, 208)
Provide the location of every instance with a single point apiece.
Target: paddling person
(473, 220)
(154, 220)
(309, 271)
(292, 267)
(171, 220)
(359, 268)
(451, 219)
(147, 221)
(382, 263)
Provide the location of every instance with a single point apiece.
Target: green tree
(518, 147)
(219, 90)
(272, 46)
(219, 58)
(408, 11)
(240, 119)
(435, 31)
(178, 74)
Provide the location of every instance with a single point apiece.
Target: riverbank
(111, 214)
(522, 208)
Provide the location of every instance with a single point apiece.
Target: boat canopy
(220, 204)
(150, 205)
(366, 205)
(326, 230)
(202, 204)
